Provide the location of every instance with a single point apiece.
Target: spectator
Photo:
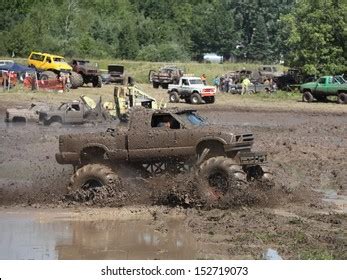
(203, 79)
(245, 84)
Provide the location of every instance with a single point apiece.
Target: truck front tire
(76, 80)
(218, 176)
(195, 98)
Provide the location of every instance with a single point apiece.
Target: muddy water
(31, 234)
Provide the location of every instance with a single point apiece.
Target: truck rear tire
(93, 176)
(307, 97)
(195, 98)
(342, 98)
(217, 176)
(173, 97)
(76, 80)
(155, 85)
(165, 86)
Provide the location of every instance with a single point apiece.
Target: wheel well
(195, 91)
(92, 153)
(306, 90)
(19, 119)
(215, 146)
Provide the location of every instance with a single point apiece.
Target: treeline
(305, 33)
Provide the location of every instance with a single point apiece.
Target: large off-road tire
(155, 85)
(195, 98)
(165, 86)
(217, 177)
(92, 176)
(342, 98)
(307, 97)
(173, 97)
(76, 80)
(48, 75)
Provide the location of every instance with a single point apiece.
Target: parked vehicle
(192, 90)
(89, 72)
(165, 76)
(323, 88)
(51, 67)
(116, 73)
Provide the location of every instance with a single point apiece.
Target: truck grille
(244, 138)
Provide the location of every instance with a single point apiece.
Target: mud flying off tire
(342, 98)
(217, 176)
(93, 176)
(174, 97)
(76, 80)
(307, 97)
(195, 98)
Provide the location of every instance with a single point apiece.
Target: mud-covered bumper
(252, 158)
(67, 158)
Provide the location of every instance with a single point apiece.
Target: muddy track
(307, 152)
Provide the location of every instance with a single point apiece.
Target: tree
(314, 34)
(260, 48)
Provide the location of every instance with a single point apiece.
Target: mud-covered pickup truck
(158, 140)
(324, 87)
(192, 90)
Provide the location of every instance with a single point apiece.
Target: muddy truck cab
(155, 141)
(192, 90)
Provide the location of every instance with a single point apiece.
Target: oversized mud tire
(165, 86)
(173, 97)
(195, 98)
(155, 85)
(218, 176)
(76, 80)
(342, 98)
(307, 97)
(48, 75)
(92, 176)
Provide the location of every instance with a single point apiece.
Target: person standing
(245, 84)
(203, 79)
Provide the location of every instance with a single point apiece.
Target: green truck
(325, 86)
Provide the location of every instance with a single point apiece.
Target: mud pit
(304, 217)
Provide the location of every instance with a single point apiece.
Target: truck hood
(63, 66)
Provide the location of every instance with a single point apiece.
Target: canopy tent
(15, 67)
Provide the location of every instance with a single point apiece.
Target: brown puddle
(25, 235)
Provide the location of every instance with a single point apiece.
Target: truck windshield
(191, 118)
(195, 82)
(58, 59)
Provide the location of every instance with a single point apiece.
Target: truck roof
(46, 54)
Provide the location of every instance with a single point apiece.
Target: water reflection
(24, 237)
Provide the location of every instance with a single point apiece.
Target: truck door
(185, 87)
(74, 113)
(321, 86)
(153, 140)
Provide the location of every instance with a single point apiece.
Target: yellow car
(51, 66)
(48, 62)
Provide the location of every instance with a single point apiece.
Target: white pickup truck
(192, 90)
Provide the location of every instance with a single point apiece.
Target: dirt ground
(302, 217)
